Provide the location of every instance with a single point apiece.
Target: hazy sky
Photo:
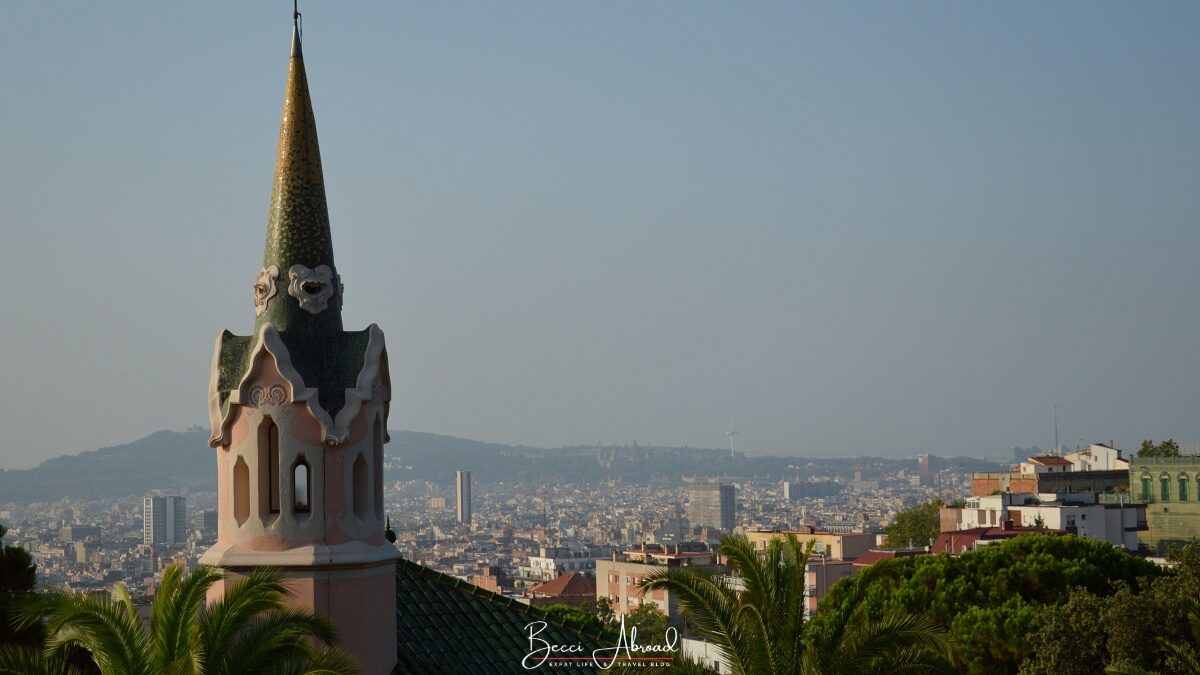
(885, 228)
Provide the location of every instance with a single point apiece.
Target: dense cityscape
(91, 544)
(593, 542)
(884, 236)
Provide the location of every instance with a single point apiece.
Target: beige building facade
(620, 578)
(831, 545)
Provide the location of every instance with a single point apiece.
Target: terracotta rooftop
(1049, 460)
(571, 584)
(965, 540)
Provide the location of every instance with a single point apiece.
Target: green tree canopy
(585, 617)
(761, 630)
(18, 576)
(1168, 448)
(989, 597)
(917, 526)
(1153, 627)
(650, 622)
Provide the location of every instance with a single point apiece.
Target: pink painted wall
(363, 608)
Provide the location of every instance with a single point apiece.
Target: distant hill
(170, 460)
(164, 459)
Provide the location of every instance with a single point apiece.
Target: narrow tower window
(360, 486)
(377, 458)
(267, 469)
(302, 480)
(273, 467)
(241, 491)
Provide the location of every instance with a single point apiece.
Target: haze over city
(855, 230)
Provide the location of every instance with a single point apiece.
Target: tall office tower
(712, 505)
(164, 520)
(299, 414)
(462, 499)
(926, 470)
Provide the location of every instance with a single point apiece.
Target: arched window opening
(267, 471)
(1164, 488)
(302, 482)
(359, 487)
(273, 467)
(377, 460)
(1183, 487)
(1145, 487)
(241, 491)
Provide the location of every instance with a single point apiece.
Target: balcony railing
(1127, 498)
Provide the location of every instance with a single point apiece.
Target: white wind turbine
(731, 433)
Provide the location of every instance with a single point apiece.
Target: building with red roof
(571, 588)
(967, 540)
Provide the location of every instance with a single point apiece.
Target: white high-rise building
(164, 520)
(462, 500)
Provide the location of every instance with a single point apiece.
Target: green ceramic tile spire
(297, 296)
(298, 236)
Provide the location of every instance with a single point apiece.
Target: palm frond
(275, 637)
(322, 661)
(914, 661)
(1127, 669)
(756, 575)
(887, 644)
(109, 630)
(680, 665)
(764, 654)
(710, 606)
(23, 660)
(1191, 607)
(262, 590)
(177, 604)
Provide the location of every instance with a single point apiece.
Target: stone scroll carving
(264, 288)
(272, 399)
(264, 396)
(313, 287)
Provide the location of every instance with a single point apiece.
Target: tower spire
(299, 411)
(296, 30)
(298, 288)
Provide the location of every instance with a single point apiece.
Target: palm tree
(249, 630)
(761, 629)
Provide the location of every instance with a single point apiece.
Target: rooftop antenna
(731, 433)
(1056, 407)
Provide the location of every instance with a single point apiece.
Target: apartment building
(619, 579)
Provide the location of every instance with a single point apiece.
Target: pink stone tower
(299, 417)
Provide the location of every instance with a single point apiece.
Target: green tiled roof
(327, 358)
(446, 625)
(328, 363)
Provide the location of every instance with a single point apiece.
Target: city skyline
(856, 230)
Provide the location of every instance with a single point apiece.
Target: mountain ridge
(182, 461)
